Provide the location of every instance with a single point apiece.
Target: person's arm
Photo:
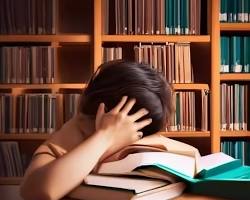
(53, 179)
(48, 178)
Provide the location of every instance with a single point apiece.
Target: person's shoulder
(67, 137)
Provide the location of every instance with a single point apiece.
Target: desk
(187, 196)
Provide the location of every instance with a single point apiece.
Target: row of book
(234, 106)
(173, 60)
(111, 53)
(28, 113)
(184, 118)
(235, 10)
(235, 54)
(27, 16)
(12, 163)
(237, 149)
(152, 17)
(22, 64)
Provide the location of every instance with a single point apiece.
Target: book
(222, 174)
(118, 187)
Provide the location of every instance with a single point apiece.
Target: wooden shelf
(235, 26)
(10, 180)
(235, 133)
(235, 77)
(190, 86)
(44, 86)
(45, 38)
(25, 136)
(191, 134)
(155, 38)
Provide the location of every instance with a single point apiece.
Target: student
(123, 102)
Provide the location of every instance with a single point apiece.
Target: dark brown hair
(116, 79)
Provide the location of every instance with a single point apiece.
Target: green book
(175, 16)
(215, 174)
(245, 10)
(240, 11)
(236, 57)
(245, 54)
(223, 11)
(169, 16)
(186, 20)
(230, 4)
(225, 52)
(235, 10)
(222, 53)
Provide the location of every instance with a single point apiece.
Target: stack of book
(125, 175)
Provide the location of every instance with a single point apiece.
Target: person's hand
(122, 129)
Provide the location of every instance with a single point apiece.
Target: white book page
(136, 184)
(213, 160)
(180, 163)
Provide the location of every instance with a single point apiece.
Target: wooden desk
(187, 196)
(184, 196)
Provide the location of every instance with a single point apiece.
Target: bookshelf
(235, 77)
(237, 29)
(79, 53)
(82, 38)
(235, 26)
(155, 38)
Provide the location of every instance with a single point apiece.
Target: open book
(183, 165)
(222, 174)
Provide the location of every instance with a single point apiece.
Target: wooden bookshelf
(44, 86)
(156, 38)
(25, 136)
(186, 134)
(234, 134)
(235, 77)
(235, 26)
(46, 38)
(190, 86)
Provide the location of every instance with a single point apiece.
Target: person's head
(116, 79)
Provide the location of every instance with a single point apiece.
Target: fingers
(119, 106)
(128, 106)
(139, 114)
(141, 124)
